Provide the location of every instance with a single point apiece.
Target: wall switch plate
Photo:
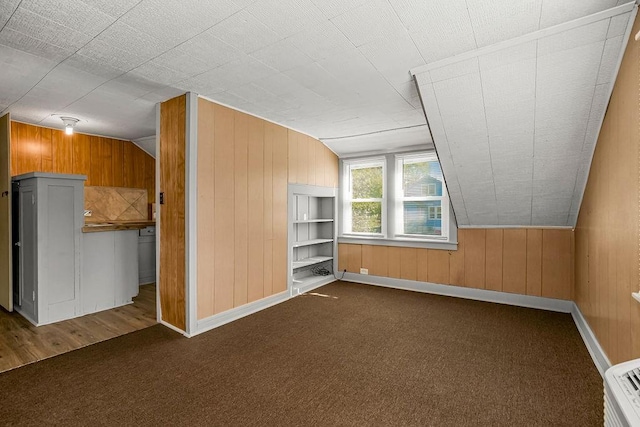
(364, 271)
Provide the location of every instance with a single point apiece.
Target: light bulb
(68, 130)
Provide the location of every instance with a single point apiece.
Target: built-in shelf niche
(312, 231)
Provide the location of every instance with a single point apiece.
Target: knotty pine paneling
(105, 161)
(607, 233)
(499, 256)
(172, 212)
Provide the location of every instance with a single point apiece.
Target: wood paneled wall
(244, 165)
(172, 213)
(534, 262)
(310, 161)
(106, 162)
(607, 236)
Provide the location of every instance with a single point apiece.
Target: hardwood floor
(22, 343)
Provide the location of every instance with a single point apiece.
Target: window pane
(423, 218)
(422, 178)
(367, 182)
(366, 217)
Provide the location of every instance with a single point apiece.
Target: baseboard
(220, 319)
(598, 355)
(170, 326)
(528, 301)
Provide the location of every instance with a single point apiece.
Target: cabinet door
(147, 259)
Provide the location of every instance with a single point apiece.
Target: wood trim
(172, 272)
(6, 247)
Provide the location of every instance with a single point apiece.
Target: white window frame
(400, 198)
(347, 195)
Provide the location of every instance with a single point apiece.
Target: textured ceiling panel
(113, 8)
(286, 17)
(245, 32)
(357, 24)
(282, 56)
(7, 7)
(47, 31)
(165, 21)
(515, 127)
(28, 44)
(557, 12)
(205, 48)
(330, 68)
(20, 72)
(71, 14)
(500, 20)
(333, 8)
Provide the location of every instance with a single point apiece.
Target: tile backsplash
(116, 204)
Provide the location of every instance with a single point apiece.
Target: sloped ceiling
(515, 124)
(335, 69)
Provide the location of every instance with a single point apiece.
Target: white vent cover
(622, 395)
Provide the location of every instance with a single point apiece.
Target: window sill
(407, 242)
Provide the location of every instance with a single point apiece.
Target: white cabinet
(147, 256)
(50, 219)
(312, 237)
(109, 269)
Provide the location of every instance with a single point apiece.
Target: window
(421, 196)
(364, 201)
(395, 197)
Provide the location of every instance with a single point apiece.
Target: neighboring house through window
(395, 197)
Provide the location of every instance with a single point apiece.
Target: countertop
(93, 227)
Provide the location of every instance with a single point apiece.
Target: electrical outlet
(364, 271)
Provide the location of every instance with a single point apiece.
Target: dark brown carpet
(364, 356)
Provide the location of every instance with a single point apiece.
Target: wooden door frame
(6, 282)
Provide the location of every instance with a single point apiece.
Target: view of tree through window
(366, 201)
(394, 197)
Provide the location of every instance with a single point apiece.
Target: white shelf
(310, 261)
(310, 221)
(311, 242)
(309, 283)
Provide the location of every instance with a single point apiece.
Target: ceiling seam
(533, 142)
(424, 61)
(473, 31)
(586, 130)
(11, 16)
(373, 133)
(369, 61)
(60, 62)
(151, 59)
(455, 174)
(540, 16)
(486, 123)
